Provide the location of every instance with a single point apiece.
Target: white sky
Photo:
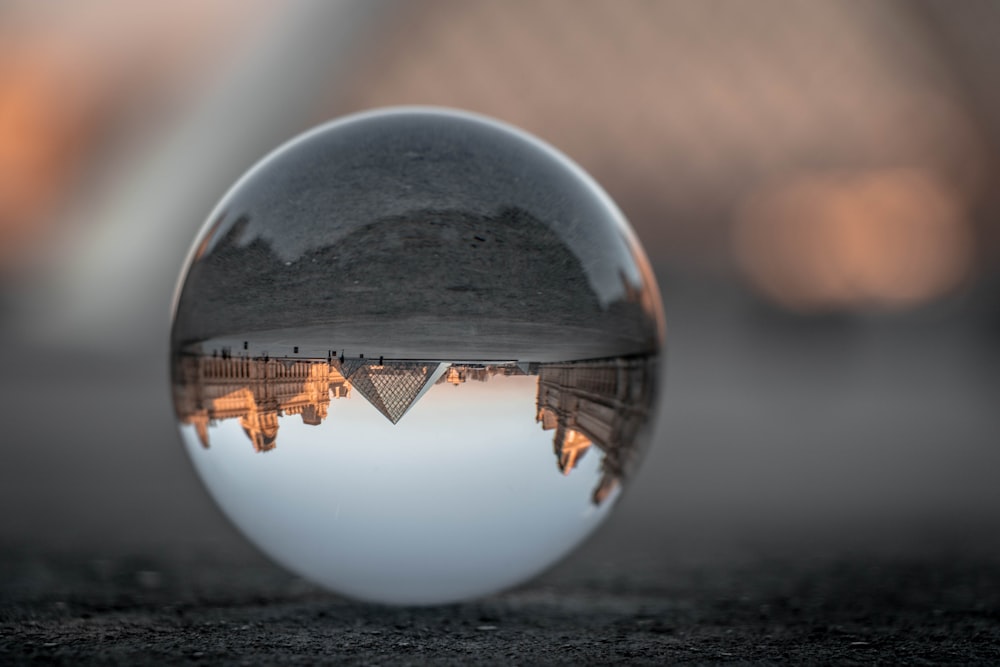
(461, 498)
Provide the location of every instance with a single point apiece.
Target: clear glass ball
(414, 355)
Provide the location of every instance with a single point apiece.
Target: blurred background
(815, 185)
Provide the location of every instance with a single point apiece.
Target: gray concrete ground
(432, 338)
(150, 610)
(426, 285)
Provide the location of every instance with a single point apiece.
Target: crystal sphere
(414, 355)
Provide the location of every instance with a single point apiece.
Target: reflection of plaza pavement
(434, 338)
(432, 278)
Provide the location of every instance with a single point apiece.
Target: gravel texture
(142, 610)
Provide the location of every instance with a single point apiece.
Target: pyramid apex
(392, 387)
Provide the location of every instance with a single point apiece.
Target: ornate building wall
(606, 402)
(255, 391)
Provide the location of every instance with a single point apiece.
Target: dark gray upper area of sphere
(422, 201)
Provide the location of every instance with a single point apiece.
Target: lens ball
(415, 355)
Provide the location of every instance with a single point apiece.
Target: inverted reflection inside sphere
(415, 355)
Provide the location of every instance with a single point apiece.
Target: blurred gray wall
(860, 426)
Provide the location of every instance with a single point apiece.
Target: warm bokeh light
(885, 238)
(43, 126)
(680, 110)
(79, 80)
(677, 107)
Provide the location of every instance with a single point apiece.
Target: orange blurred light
(78, 82)
(41, 127)
(893, 238)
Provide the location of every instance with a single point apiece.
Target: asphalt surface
(154, 610)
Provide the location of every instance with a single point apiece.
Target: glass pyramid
(393, 387)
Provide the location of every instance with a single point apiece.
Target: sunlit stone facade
(255, 391)
(601, 403)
